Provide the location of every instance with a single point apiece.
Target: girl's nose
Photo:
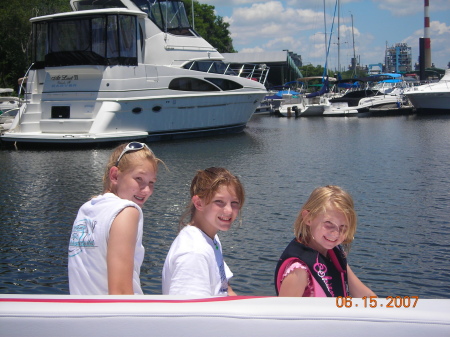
(228, 208)
(335, 233)
(147, 189)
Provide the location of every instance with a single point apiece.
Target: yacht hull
(95, 104)
(432, 98)
(430, 102)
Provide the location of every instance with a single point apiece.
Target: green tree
(15, 28)
(309, 70)
(211, 27)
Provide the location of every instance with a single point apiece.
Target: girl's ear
(113, 175)
(197, 202)
(305, 216)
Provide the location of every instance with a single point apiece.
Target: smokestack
(427, 41)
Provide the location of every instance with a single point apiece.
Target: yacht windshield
(169, 15)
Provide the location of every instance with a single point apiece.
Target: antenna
(354, 52)
(192, 11)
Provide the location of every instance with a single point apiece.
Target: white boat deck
(158, 315)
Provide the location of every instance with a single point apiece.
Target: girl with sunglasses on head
(194, 264)
(314, 263)
(105, 249)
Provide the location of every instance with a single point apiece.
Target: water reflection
(395, 168)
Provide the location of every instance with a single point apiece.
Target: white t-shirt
(88, 272)
(194, 266)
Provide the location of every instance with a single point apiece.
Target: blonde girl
(105, 249)
(314, 263)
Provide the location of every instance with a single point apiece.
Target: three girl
(194, 265)
(314, 264)
(105, 249)
(106, 252)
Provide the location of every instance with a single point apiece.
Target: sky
(367, 27)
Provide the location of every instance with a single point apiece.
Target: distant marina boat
(126, 70)
(381, 93)
(9, 106)
(432, 97)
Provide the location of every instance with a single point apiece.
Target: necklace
(213, 239)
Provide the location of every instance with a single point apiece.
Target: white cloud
(440, 48)
(297, 25)
(404, 8)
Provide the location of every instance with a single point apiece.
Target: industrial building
(398, 59)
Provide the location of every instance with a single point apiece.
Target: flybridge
(169, 15)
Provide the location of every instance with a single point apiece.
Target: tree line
(15, 32)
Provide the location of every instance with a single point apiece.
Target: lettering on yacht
(64, 81)
(65, 78)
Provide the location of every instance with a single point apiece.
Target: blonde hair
(206, 183)
(127, 162)
(321, 199)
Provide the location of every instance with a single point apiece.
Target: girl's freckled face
(221, 212)
(328, 230)
(136, 184)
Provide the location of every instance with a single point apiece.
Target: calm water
(396, 168)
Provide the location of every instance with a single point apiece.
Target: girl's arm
(357, 288)
(120, 254)
(294, 283)
(231, 291)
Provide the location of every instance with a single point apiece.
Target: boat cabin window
(169, 15)
(94, 40)
(225, 84)
(191, 84)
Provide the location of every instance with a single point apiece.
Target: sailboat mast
(354, 52)
(325, 25)
(339, 36)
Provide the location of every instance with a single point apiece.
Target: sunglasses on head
(133, 146)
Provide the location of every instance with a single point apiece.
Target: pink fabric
(309, 290)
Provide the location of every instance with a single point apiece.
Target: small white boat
(8, 102)
(129, 69)
(432, 97)
(388, 92)
(159, 315)
(9, 106)
(300, 104)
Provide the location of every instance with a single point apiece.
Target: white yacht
(432, 97)
(116, 70)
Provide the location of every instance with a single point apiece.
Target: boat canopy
(106, 37)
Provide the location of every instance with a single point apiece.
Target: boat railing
(23, 81)
(256, 72)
